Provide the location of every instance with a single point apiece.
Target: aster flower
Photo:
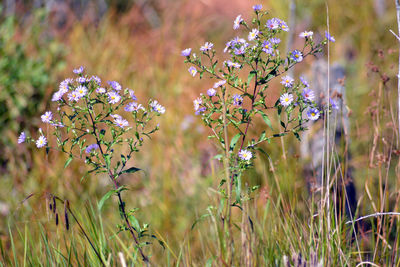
(57, 124)
(186, 52)
(206, 47)
(91, 148)
(286, 99)
(306, 34)
(304, 81)
(253, 34)
(96, 79)
(211, 92)
(237, 100)
(133, 106)
(273, 24)
(157, 107)
(200, 111)
(78, 70)
(275, 40)
(334, 104)
(219, 83)
(120, 122)
(232, 64)
(132, 94)
(41, 142)
(308, 94)
(283, 25)
(240, 51)
(296, 56)
(21, 138)
(287, 81)
(267, 47)
(81, 79)
(313, 114)
(101, 90)
(245, 155)
(113, 97)
(81, 91)
(237, 22)
(74, 96)
(47, 117)
(329, 37)
(192, 70)
(197, 102)
(115, 85)
(57, 96)
(257, 7)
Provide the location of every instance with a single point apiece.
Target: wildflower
(96, 79)
(113, 97)
(57, 96)
(21, 138)
(237, 100)
(308, 94)
(297, 56)
(286, 99)
(200, 111)
(115, 85)
(133, 106)
(257, 7)
(47, 116)
(206, 47)
(91, 148)
(287, 81)
(211, 92)
(275, 40)
(57, 124)
(116, 116)
(41, 142)
(240, 50)
(306, 34)
(81, 91)
(132, 95)
(101, 90)
(232, 64)
(237, 22)
(74, 96)
(219, 83)
(120, 122)
(304, 81)
(81, 79)
(329, 37)
(157, 107)
(186, 52)
(197, 102)
(334, 104)
(192, 70)
(313, 114)
(267, 47)
(283, 25)
(245, 154)
(273, 24)
(78, 70)
(253, 34)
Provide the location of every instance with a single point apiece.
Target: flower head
(57, 96)
(237, 100)
(306, 34)
(192, 70)
(232, 64)
(201, 110)
(101, 90)
(113, 97)
(197, 103)
(308, 94)
(157, 107)
(286, 99)
(313, 114)
(47, 117)
(273, 24)
(133, 106)
(186, 52)
(275, 40)
(267, 47)
(283, 25)
(296, 56)
(121, 122)
(206, 47)
(21, 138)
(41, 142)
(219, 83)
(74, 96)
(334, 103)
(304, 82)
(287, 81)
(329, 37)
(211, 92)
(81, 79)
(91, 148)
(257, 7)
(240, 51)
(132, 95)
(96, 79)
(245, 155)
(253, 34)
(81, 91)
(115, 85)
(237, 22)
(78, 70)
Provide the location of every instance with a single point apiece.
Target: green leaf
(266, 120)
(218, 157)
(104, 198)
(107, 158)
(234, 141)
(251, 76)
(131, 170)
(68, 161)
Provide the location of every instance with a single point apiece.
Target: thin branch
(374, 215)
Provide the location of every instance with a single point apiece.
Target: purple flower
(115, 85)
(101, 90)
(41, 142)
(133, 106)
(132, 95)
(81, 91)
(157, 107)
(273, 24)
(283, 25)
(275, 40)
(267, 47)
(78, 70)
(245, 155)
(57, 124)
(200, 111)
(57, 96)
(334, 104)
(286, 99)
(304, 81)
(296, 56)
(240, 51)
(237, 22)
(211, 92)
(91, 148)
(257, 7)
(237, 100)
(120, 122)
(313, 114)
(253, 34)
(192, 70)
(306, 34)
(96, 79)
(47, 117)
(232, 64)
(186, 52)
(219, 83)
(308, 94)
(329, 37)
(21, 138)
(113, 97)
(74, 96)
(287, 81)
(206, 47)
(81, 79)
(197, 103)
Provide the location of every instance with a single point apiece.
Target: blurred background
(138, 43)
